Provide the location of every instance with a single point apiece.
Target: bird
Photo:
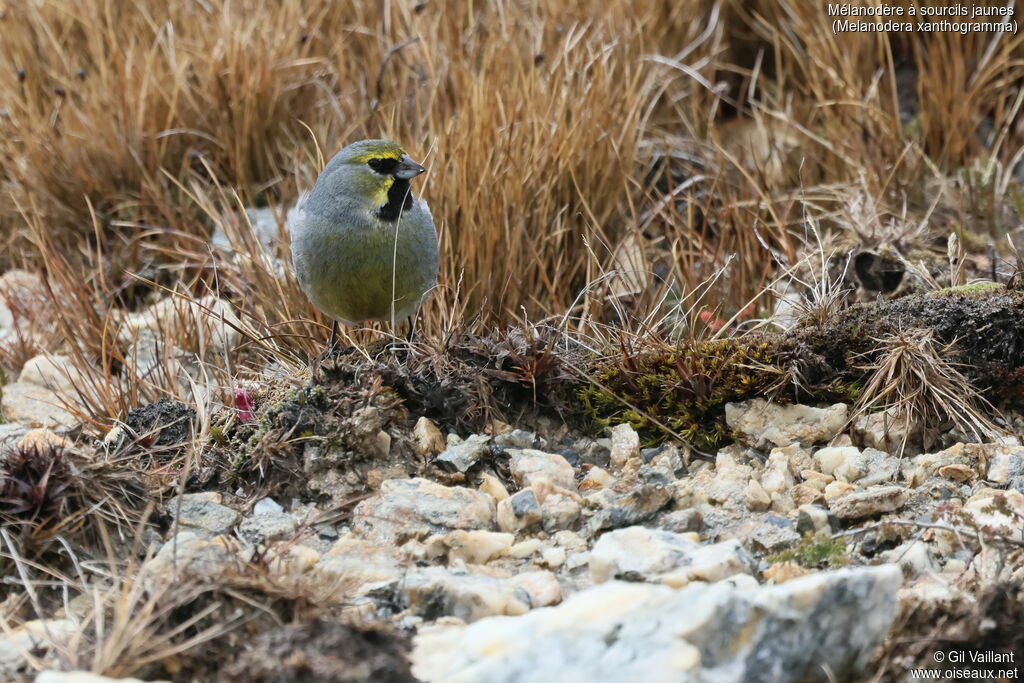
(363, 246)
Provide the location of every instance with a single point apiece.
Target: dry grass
(604, 174)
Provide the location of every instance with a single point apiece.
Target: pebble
(203, 511)
(643, 554)
(428, 438)
(618, 632)
(463, 455)
(493, 487)
(416, 508)
(765, 424)
(625, 446)
(519, 511)
(530, 466)
(868, 503)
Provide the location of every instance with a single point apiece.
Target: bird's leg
(332, 340)
(411, 338)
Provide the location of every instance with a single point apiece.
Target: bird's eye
(383, 165)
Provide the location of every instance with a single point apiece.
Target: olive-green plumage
(363, 247)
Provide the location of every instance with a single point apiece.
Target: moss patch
(815, 553)
(684, 388)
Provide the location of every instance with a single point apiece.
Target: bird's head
(374, 173)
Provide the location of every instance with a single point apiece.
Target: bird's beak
(407, 168)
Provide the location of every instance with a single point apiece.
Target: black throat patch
(399, 200)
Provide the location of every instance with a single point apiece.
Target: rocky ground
(322, 530)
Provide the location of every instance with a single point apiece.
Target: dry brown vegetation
(621, 171)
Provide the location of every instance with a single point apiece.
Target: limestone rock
(870, 502)
(618, 632)
(352, 563)
(765, 424)
(428, 438)
(518, 512)
(53, 372)
(31, 405)
(1006, 462)
(81, 677)
(625, 445)
(267, 527)
(203, 511)
(415, 508)
(37, 637)
(887, 431)
(529, 466)
(463, 455)
(642, 554)
(434, 592)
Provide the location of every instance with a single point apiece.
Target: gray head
(371, 174)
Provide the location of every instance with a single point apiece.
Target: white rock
(519, 511)
(34, 406)
(477, 546)
(415, 508)
(886, 431)
(1006, 462)
(914, 557)
(553, 558)
(203, 511)
(625, 632)
(30, 637)
(777, 476)
(433, 591)
(80, 677)
(542, 587)
(870, 502)
(850, 464)
(529, 466)
(208, 322)
(267, 527)
(463, 455)
(625, 445)
(767, 424)
(643, 554)
(429, 440)
(266, 505)
(493, 487)
(1001, 511)
(352, 563)
(11, 434)
(559, 510)
(53, 372)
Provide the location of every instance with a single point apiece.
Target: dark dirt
(160, 426)
(323, 651)
(324, 440)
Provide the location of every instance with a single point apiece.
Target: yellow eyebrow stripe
(383, 154)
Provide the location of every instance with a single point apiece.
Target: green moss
(974, 289)
(683, 388)
(813, 552)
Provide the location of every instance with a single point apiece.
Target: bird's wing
(296, 214)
